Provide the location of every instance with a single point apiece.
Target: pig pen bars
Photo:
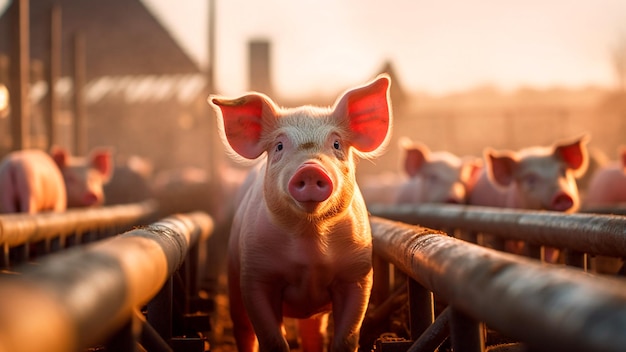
(81, 296)
(547, 307)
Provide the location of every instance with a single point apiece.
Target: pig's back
(484, 193)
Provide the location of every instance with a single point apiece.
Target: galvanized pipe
(595, 234)
(547, 307)
(79, 297)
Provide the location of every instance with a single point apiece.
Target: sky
(436, 46)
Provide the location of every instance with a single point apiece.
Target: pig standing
(434, 177)
(538, 178)
(33, 181)
(300, 244)
(607, 186)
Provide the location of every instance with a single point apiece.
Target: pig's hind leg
(312, 333)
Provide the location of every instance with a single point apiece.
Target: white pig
(33, 181)
(535, 178)
(300, 244)
(434, 177)
(607, 186)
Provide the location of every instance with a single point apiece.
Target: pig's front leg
(263, 302)
(350, 301)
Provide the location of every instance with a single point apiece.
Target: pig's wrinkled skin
(536, 178)
(607, 186)
(33, 181)
(434, 177)
(300, 244)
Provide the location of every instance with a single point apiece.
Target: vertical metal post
(466, 333)
(380, 291)
(160, 315)
(80, 130)
(421, 308)
(54, 72)
(576, 259)
(20, 81)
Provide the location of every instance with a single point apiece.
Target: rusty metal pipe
(595, 234)
(547, 307)
(79, 297)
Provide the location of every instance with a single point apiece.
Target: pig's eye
(279, 146)
(336, 145)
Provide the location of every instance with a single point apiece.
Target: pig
(33, 181)
(536, 178)
(607, 186)
(434, 177)
(300, 245)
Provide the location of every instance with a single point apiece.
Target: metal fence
(541, 306)
(111, 294)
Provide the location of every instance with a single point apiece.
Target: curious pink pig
(300, 244)
(434, 177)
(536, 178)
(533, 178)
(607, 186)
(33, 181)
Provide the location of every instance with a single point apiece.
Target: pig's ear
(574, 154)
(368, 113)
(60, 156)
(243, 120)
(415, 156)
(101, 160)
(501, 167)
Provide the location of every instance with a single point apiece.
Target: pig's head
(545, 177)
(84, 177)
(310, 150)
(443, 175)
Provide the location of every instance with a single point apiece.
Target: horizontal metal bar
(79, 297)
(595, 234)
(548, 307)
(17, 229)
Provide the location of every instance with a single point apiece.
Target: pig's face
(311, 162)
(84, 177)
(545, 178)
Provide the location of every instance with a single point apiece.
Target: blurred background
(466, 75)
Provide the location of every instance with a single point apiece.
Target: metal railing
(92, 294)
(24, 236)
(544, 307)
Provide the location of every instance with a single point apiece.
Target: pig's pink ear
(243, 120)
(574, 154)
(60, 156)
(415, 157)
(501, 167)
(368, 112)
(101, 160)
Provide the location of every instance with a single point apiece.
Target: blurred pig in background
(607, 186)
(131, 181)
(435, 177)
(33, 181)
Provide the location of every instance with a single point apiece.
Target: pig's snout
(310, 183)
(562, 202)
(90, 199)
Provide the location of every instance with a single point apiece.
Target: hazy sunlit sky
(435, 45)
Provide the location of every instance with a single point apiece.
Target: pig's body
(607, 186)
(300, 244)
(434, 177)
(33, 181)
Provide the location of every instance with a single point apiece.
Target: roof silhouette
(122, 37)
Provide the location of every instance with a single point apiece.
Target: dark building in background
(143, 94)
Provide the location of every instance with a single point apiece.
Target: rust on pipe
(595, 234)
(77, 298)
(547, 307)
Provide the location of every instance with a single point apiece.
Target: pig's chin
(310, 207)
